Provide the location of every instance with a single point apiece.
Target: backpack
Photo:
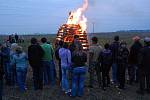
(106, 57)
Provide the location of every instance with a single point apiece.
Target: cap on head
(136, 38)
(94, 39)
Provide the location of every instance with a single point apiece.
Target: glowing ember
(77, 17)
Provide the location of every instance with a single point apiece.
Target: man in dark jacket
(122, 64)
(35, 54)
(115, 52)
(1, 73)
(60, 45)
(144, 67)
(105, 59)
(133, 60)
(5, 51)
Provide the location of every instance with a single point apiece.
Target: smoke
(85, 5)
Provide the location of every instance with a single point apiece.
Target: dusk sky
(45, 16)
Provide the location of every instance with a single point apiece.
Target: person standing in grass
(48, 65)
(20, 60)
(105, 60)
(144, 68)
(94, 51)
(13, 67)
(133, 60)
(65, 56)
(1, 74)
(115, 52)
(5, 51)
(122, 64)
(59, 46)
(79, 58)
(35, 54)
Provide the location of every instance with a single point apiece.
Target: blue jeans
(133, 73)
(78, 81)
(48, 71)
(21, 78)
(64, 82)
(38, 77)
(1, 89)
(114, 72)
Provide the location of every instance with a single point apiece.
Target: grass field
(54, 93)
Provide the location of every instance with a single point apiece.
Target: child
(12, 66)
(20, 60)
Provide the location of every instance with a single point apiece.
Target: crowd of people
(114, 58)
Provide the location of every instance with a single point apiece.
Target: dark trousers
(60, 72)
(7, 71)
(94, 67)
(13, 75)
(121, 74)
(133, 72)
(48, 72)
(144, 79)
(37, 76)
(1, 88)
(105, 75)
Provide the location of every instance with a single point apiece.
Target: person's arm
(41, 51)
(52, 51)
(91, 54)
(13, 60)
(140, 57)
(69, 57)
(84, 57)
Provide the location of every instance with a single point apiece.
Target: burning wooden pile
(76, 25)
(67, 31)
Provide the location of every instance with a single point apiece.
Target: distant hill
(135, 31)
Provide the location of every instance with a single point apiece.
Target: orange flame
(77, 17)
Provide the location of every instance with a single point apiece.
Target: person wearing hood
(144, 68)
(133, 60)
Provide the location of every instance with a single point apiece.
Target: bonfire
(75, 25)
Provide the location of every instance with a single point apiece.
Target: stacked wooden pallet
(67, 31)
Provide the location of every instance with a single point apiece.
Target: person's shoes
(140, 92)
(68, 93)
